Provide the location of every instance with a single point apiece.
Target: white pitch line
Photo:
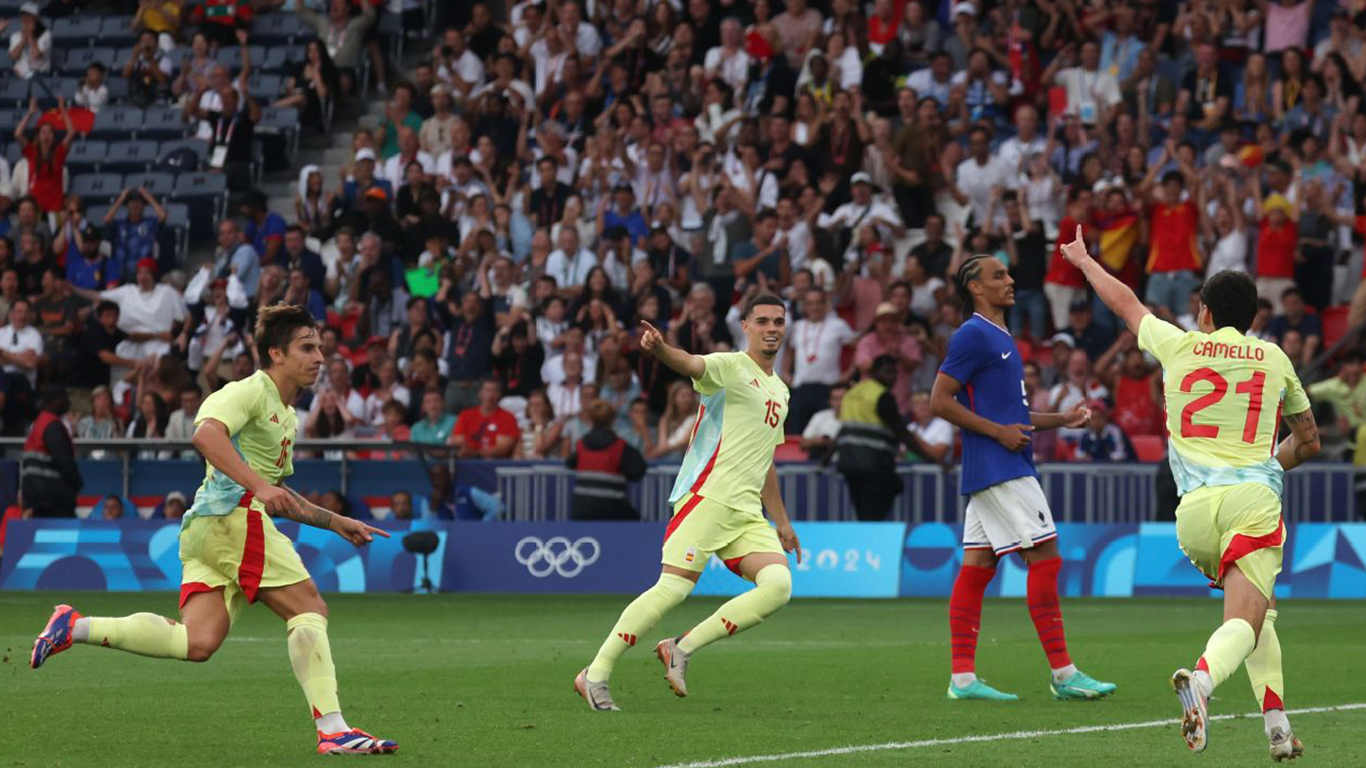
(1012, 736)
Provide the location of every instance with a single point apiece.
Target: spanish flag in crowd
(1119, 232)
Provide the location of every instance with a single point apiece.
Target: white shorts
(1008, 516)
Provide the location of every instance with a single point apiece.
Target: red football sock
(1042, 596)
(965, 615)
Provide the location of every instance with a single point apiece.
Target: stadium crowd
(548, 175)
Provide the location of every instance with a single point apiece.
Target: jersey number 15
(774, 412)
(1252, 388)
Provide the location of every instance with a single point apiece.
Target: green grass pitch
(487, 681)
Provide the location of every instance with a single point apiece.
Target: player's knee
(320, 606)
(776, 580)
(201, 649)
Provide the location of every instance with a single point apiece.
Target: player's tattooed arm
(1303, 443)
(308, 513)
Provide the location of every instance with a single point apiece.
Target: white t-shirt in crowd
(977, 180)
(15, 341)
(816, 348)
(937, 432)
(153, 312)
(570, 269)
(823, 424)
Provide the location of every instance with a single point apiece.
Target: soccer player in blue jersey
(980, 388)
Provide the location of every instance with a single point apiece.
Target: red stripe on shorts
(1242, 546)
(682, 513)
(189, 589)
(253, 557)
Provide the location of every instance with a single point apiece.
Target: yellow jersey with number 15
(739, 424)
(262, 429)
(1226, 394)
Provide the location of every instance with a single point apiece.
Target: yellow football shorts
(1222, 525)
(701, 528)
(242, 552)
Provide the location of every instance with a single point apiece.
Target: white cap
(29, 8)
(861, 178)
(365, 153)
(968, 8)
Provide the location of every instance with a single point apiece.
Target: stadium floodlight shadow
(423, 543)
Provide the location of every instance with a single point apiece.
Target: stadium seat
(96, 187)
(77, 60)
(86, 155)
(9, 120)
(117, 123)
(14, 92)
(1334, 321)
(790, 450)
(160, 184)
(275, 28)
(162, 124)
(282, 122)
(118, 89)
(116, 33)
(96, 213)
(206, 193)
(199, 147)
(130, 156)
(177, 227)
(280, 59)
(13, 154)
(263, 86)
(78, 30)
(1149, 448)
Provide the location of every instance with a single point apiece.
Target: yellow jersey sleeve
(1159, 338)
(235, 405)
(1296, 400)
(718, 368)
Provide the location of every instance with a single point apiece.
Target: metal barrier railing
(1099, 493)
(1077, 493)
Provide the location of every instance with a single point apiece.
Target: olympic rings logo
(557, 555)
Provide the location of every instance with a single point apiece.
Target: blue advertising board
(838, 560)
(135, 555)
(1322, 560)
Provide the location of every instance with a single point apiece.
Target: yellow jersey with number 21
(1226, 394)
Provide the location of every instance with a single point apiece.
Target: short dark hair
(1232, 300)
(105, 305)
(192, 388)
(883, 361)
(761, 300)
(1291, 291)
(1175, 176)
(275, 328)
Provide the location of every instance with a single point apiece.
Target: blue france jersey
(983, 358)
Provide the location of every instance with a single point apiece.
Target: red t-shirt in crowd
(482, 430)
(1276, 248)
(1060, 270)
(45, 178)
(1173, 229)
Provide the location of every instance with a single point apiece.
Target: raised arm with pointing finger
(684, 363)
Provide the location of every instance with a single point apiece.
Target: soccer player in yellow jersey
(230, 552)
(726, 482)
(1226, 395)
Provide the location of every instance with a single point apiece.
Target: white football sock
(332, 722)
(1061, 674)
(964, 679)
(1275, 718)
(80, 631)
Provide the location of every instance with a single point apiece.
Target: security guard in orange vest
(604, 463)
